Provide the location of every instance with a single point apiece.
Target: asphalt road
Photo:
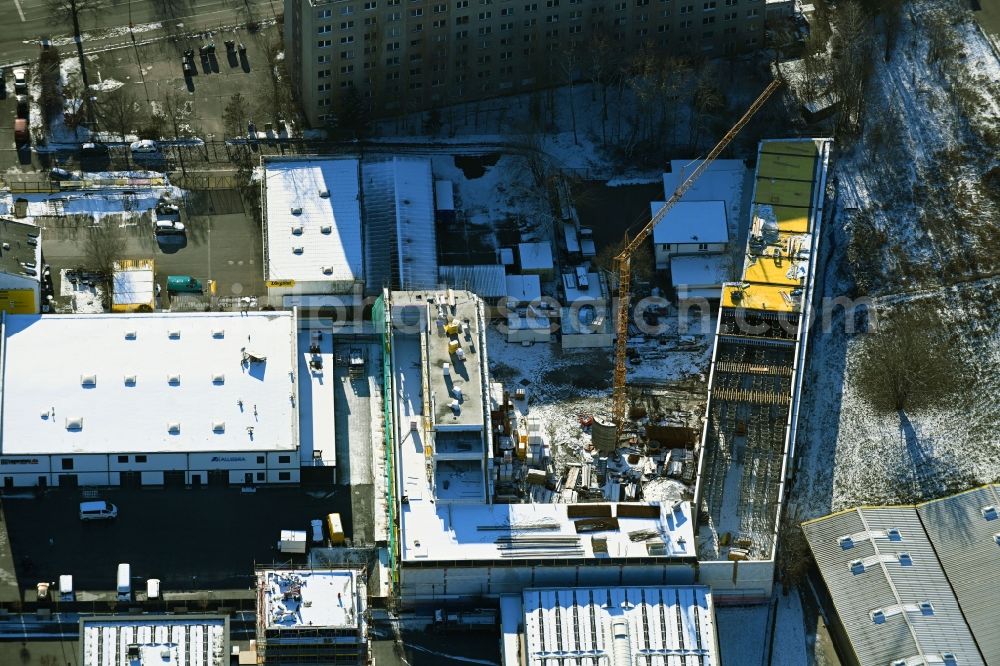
(206, 538)
(26, 22)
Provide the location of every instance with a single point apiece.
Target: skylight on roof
(905, 560)
(857, 567)
(990, 513)
(846, 542)
(878, 616)
(894, 535)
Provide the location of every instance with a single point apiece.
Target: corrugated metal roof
(966, 544)
(874, 574)
(484, 280)
(618, 626)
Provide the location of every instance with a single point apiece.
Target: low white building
(312, 226)
(536, 258)
(155, 640)
(529, 319)
(585, 316)
(163, 399)
(20, 267)
(700, 276)
(312, 617)
(690, 227)
(612, 626)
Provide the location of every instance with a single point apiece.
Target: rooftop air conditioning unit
(88, 381)
(219, 333)
(456, 407)
(296, 210)
(326, 229)
(328, 270)
(298, 249)
(174, 334)
(174, 428)
(74, 423)
(129, 380)
(324, 194)
(174, 379)
(218, 378)
(130, 335)
(218, 426)
(297, 229)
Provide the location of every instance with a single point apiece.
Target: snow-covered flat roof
(722, 181)
(523, 288)
(316, 403)
(485, 532)
(322, 240)
(614, 625)
(700, 270)
(535, 256)
(159, 382)
(195, 640)
(318, 598)
(691, 222)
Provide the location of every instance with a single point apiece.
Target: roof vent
(297, 229)
(324, 194)
(218, 333)
(298, 249)
(174, 379)
(174, 428)
(174, 334)
(328, 270)
(996, 537)
(296, 210)
(218, 378)
(905, 560)
(846, 542)
(894, 535)
(990, 512)
(88, 381)
(857, 567)
(130, 335)
(74, 423)
(129, 380)
(218, 426)
(326, 229)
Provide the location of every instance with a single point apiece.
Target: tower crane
(624, 260)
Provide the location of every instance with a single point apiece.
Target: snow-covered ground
(921, 186)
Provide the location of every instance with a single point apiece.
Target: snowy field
(924, 192)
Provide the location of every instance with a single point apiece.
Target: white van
(98, 510)
(124, 582)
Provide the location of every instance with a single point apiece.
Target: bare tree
(853, 45)
(600, 69)
(120, 112)
(102, 247)
(569, 63)
(68, 12)
(910, 362)
(234, 117)
(707, 103)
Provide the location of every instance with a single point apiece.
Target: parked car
(23, 106)
(145, 146)
(184, 284)
(60, 174)
(94, 150)
(20, 81)
(189, 68)
(21, 136)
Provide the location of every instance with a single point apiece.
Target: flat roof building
(312, 616)
(155, 640)
(613, 626)
(312, 225)
(133, 286)
(159, 398)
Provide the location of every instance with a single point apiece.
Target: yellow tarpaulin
(17, 301)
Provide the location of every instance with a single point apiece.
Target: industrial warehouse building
(614, 626)
(914, 584)
(164, 399)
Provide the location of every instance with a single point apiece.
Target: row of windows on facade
(459, 78)
(323, 59)
(708, 6)
(575, 15)
(67, 463)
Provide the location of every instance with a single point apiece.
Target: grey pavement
(223, 243)
(189, 538)
(28, 21)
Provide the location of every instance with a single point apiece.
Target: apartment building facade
(410, 55)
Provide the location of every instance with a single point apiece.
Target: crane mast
(623, 261)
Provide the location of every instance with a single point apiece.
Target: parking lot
(205, 538)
